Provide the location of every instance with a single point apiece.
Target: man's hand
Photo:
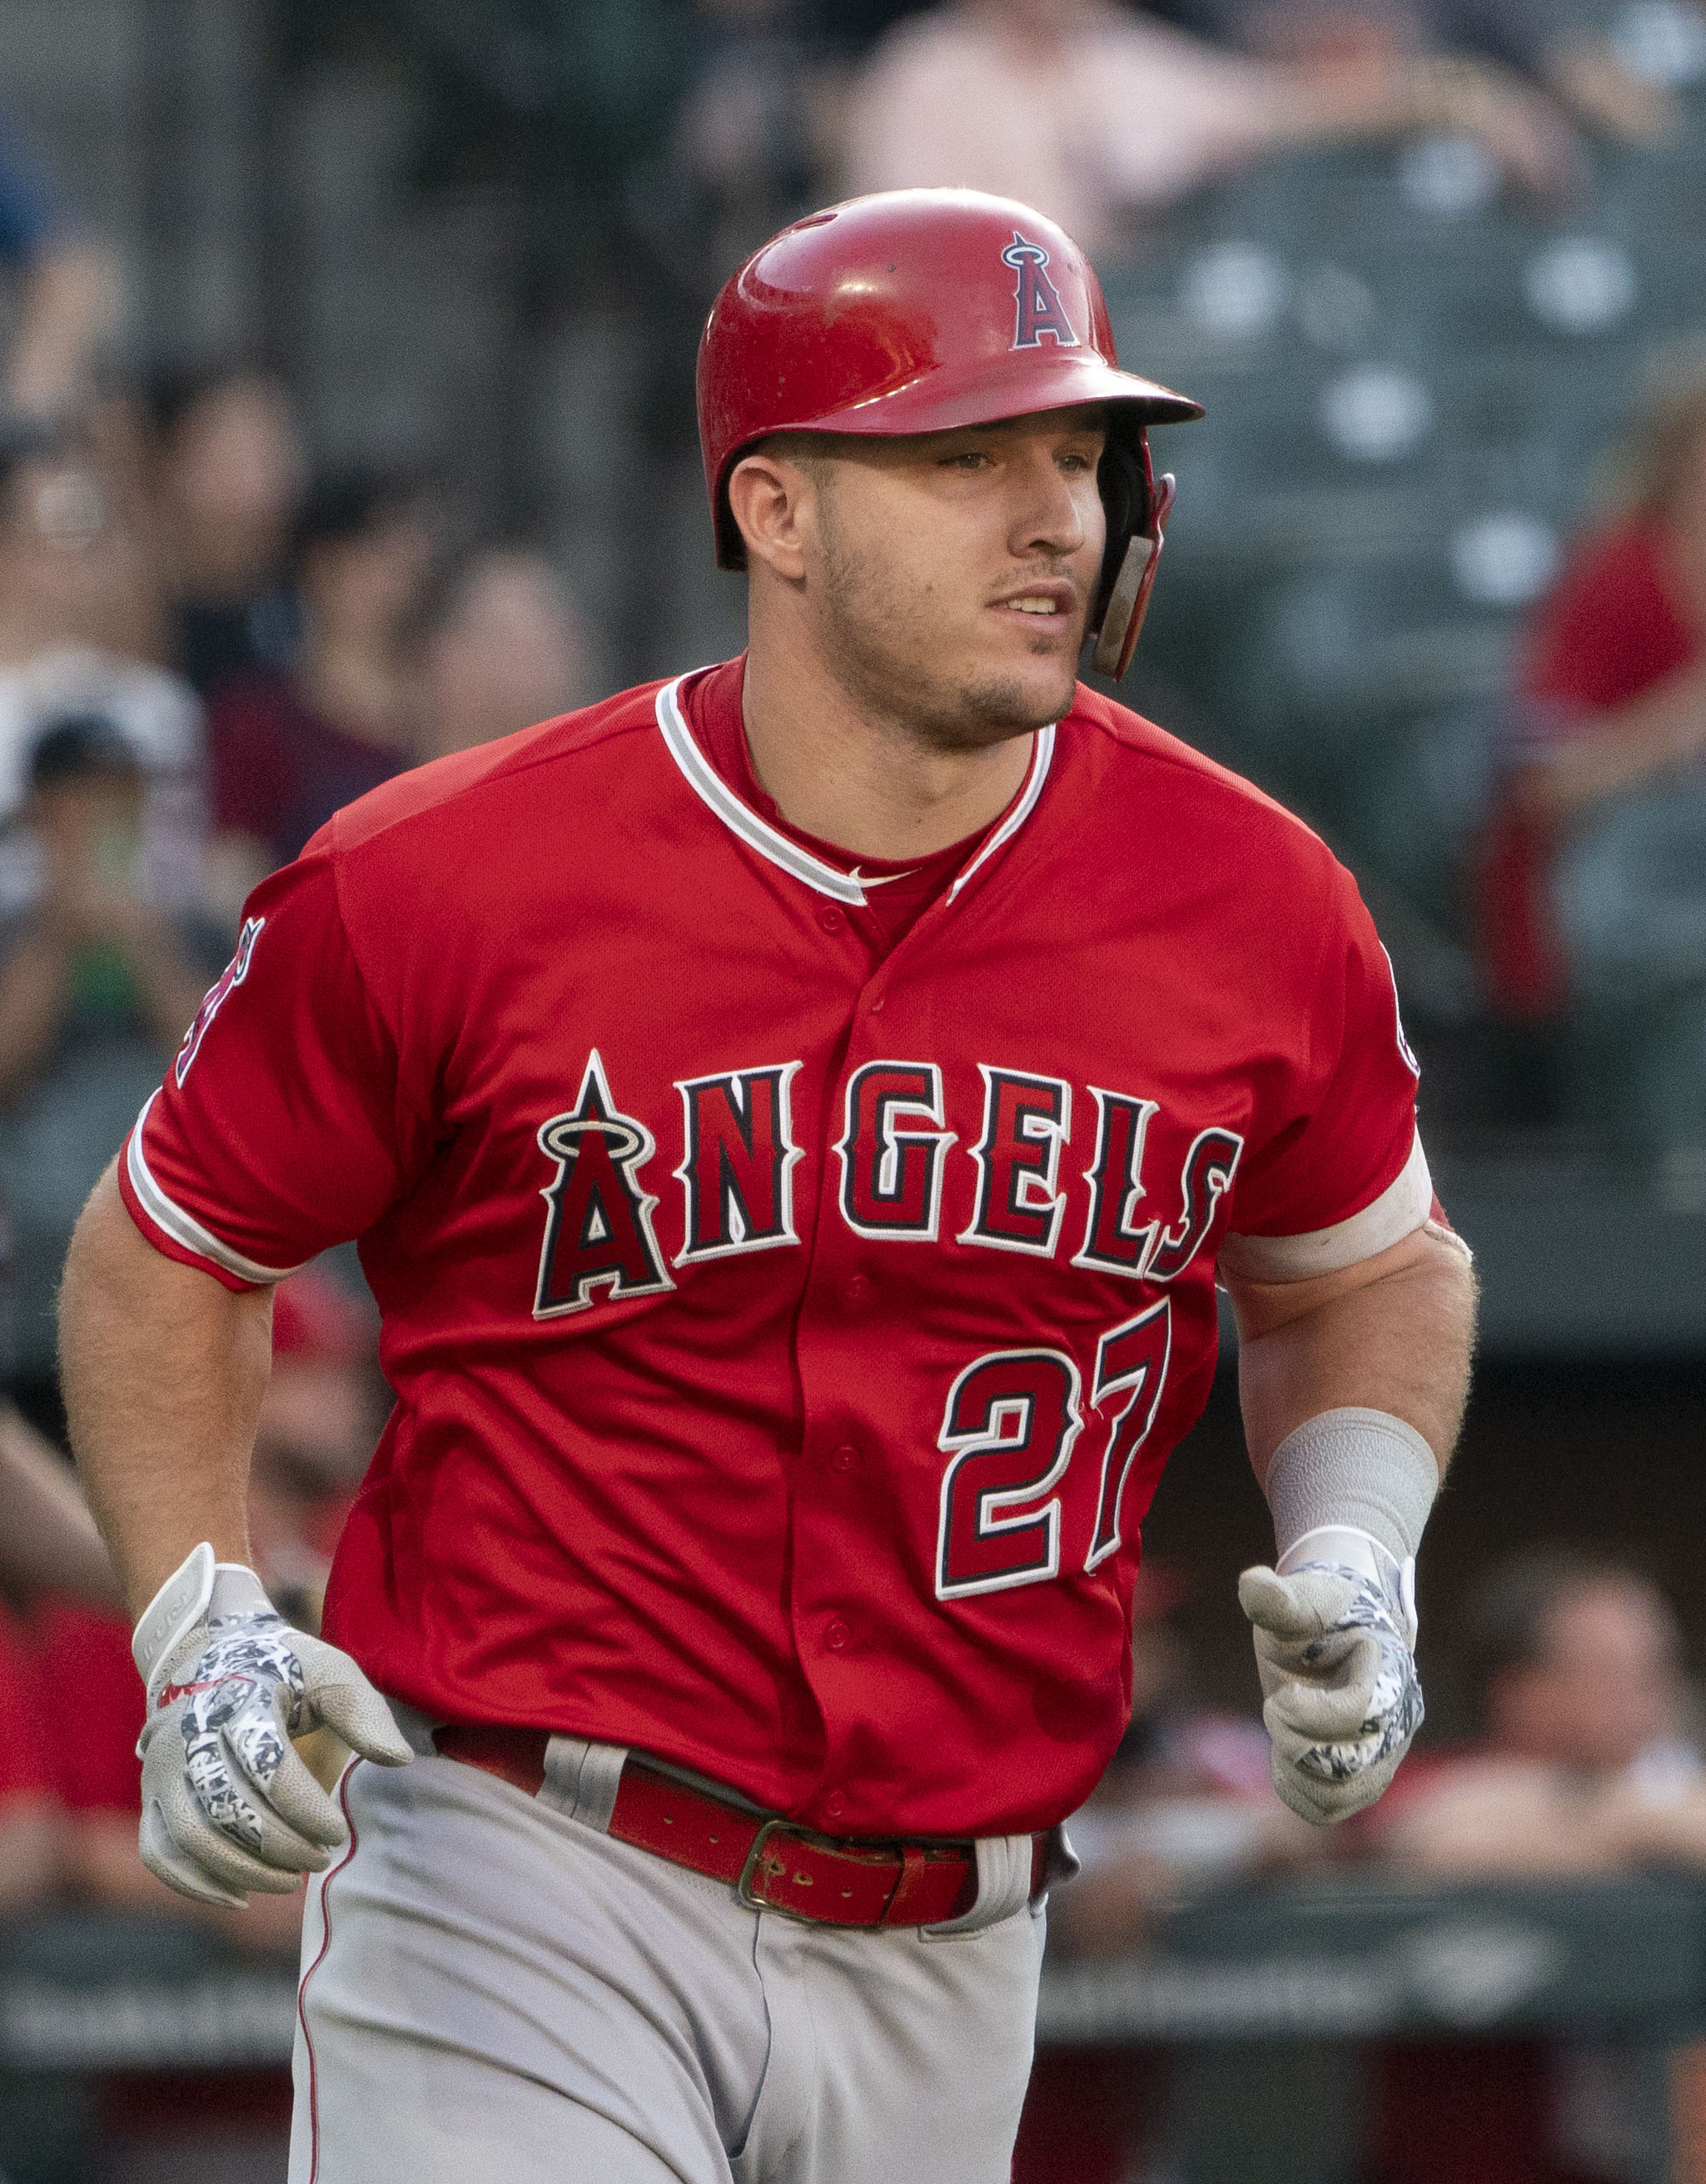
(1334, 1649)
(227, 1805)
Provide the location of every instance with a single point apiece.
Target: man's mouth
(1053, 603)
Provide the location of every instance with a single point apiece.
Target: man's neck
(866, 784)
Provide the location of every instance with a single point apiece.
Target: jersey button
(836, 1635)
(855, 1290)
(830, 918)
(844, 1457)
(834, 1805)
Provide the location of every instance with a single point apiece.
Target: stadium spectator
(1187, 1805)
(65, 298)
(227, 464)
(97, 984)
(752, 130)
(1101, 116)
(287, 749)
(504, 648)
(1591, 877)
(1580, 1765)
(318, 1421)
(68, 590)
(1581, 1770)
(1539, 42)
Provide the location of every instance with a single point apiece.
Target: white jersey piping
(183, 1227)
(703, 778)
(1042, 757)
(708, 784)
(1399, 1211)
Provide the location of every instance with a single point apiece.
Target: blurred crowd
(210, 639)
(1570, 1752)
(1106, 114)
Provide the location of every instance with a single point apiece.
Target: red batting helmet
(918, 311)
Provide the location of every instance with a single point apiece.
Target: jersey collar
(793, 857)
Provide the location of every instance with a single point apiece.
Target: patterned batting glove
(1336, 1634)
(227, 1805)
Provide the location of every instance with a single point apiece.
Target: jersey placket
(857, 1463)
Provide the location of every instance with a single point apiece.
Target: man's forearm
(1395, 1335)
(163, 1373)
(1663, 728)
(47, 1543)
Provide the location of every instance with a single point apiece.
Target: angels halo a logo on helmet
(1037, 307)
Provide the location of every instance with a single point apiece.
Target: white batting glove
(227, 1805)
(1335, 1636)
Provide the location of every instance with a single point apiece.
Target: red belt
(775, 1864)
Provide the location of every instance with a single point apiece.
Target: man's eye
(973, 460)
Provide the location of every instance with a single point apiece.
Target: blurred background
(346, 419)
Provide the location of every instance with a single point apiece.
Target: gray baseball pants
(492, 1988)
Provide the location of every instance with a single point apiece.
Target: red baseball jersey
(788, 1329)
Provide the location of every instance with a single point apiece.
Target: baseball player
(793, 1118)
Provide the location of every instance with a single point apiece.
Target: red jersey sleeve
(282, 1127)
(1341, 1173)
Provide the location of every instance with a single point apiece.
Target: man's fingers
(302, 1805)
(216, 1810)
(1303, 1797)
(1344, 1761)
(167, 1863)
(1296, 1608)
(266, 1771)
(1319, 1713)
(361, 1718)
(213, 1855)
(1272, 1604)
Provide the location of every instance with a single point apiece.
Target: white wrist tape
(1357, 1475)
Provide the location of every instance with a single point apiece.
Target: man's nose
(1049, 513)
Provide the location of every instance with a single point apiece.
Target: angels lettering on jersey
(739, 1154)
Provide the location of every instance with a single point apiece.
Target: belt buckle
(746, 1888)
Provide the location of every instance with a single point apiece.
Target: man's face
(91, 825)
(1604, 1686)
(950, 575)
(236, 459)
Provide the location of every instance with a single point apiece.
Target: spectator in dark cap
(97, 988)
(288, 748)
(69, 644)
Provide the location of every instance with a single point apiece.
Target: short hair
(86, 746)
(170, 391)
(349, 502)
(454, 573)
(1503, 1624)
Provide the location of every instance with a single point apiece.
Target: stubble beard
(878, 648)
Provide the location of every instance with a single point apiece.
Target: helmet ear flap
(1137, 510)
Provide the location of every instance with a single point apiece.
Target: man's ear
(773, 502)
